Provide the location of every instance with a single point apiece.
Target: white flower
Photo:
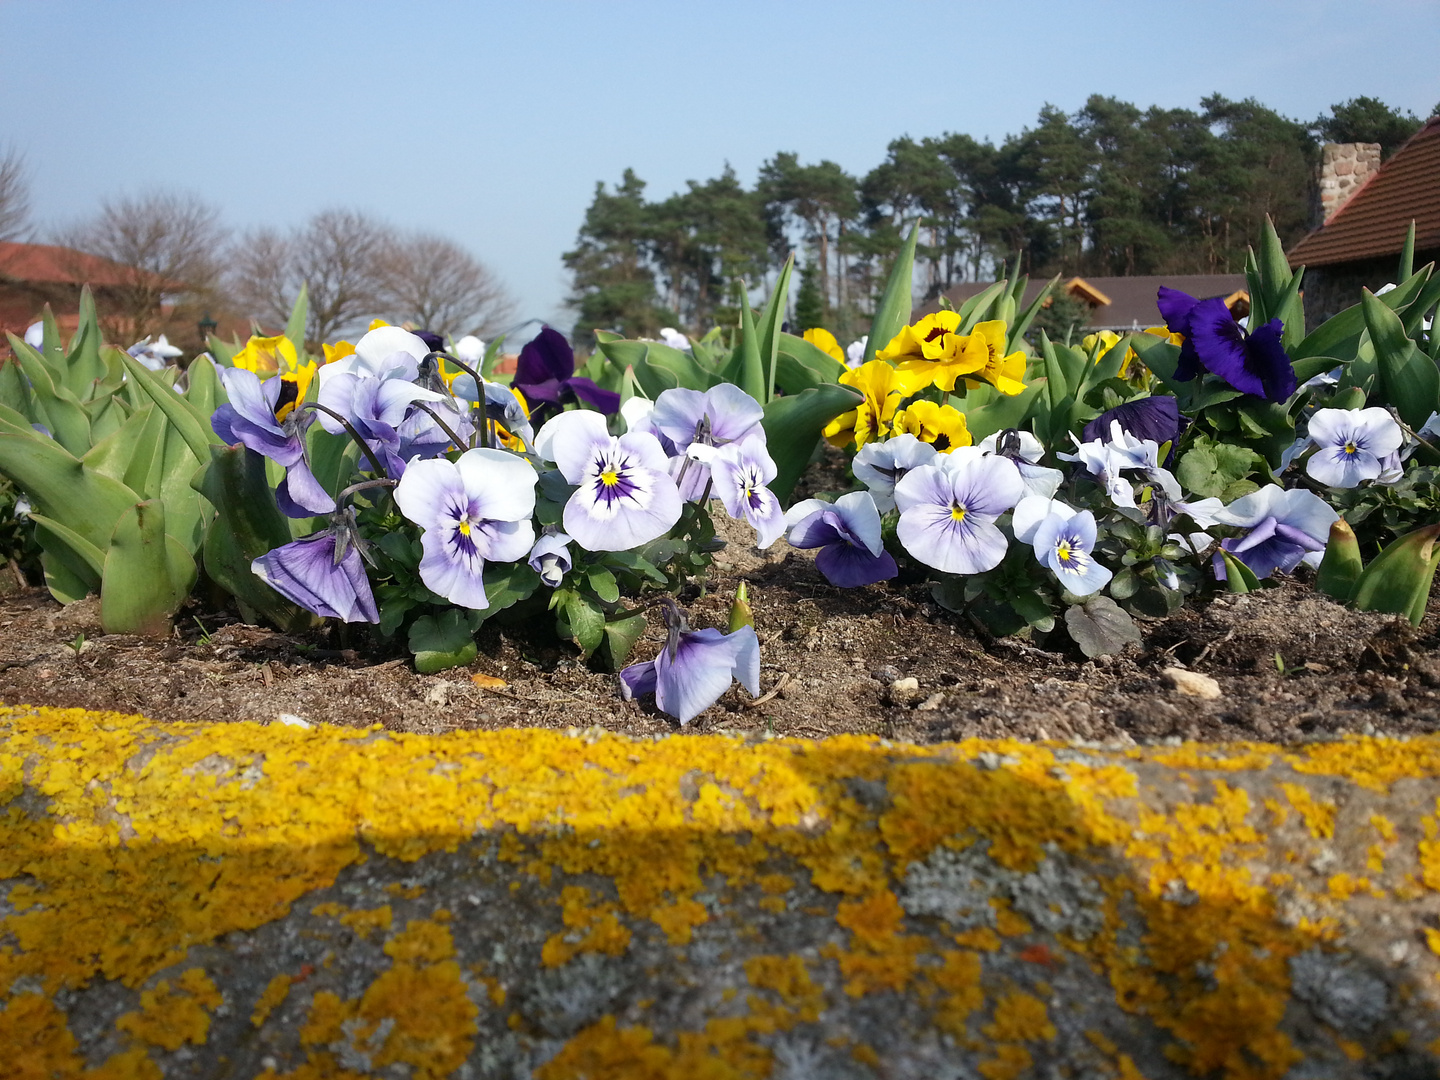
(470, 349)
(154, 354)
(855, 352)
(676, 340)
(35, 335)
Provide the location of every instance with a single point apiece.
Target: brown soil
(833, 662)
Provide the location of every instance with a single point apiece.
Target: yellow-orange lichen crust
(337, 902)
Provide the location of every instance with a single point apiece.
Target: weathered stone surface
(242, 901)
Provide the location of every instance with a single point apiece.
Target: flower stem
(460, 444)
(350, 428)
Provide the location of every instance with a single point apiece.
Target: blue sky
(492, 122)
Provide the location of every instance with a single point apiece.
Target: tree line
(1111, 189)
(188, 265)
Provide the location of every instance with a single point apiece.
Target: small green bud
(1341, 566)
(740, 613)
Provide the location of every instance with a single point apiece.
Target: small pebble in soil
(1192, 683)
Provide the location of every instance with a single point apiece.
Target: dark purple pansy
(1253, 363)
(433, 342)
(1155, 418)
(545, 374)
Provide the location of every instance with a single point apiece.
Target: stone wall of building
(1329, 290)
(1344, 168)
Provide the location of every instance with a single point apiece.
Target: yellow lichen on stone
(276, 991)
(1319, 815)
(169, 1018)
(589, 928)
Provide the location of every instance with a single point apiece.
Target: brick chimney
(1344, 167)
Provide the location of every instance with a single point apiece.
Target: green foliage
(1064, 319)
(809, 303)
(114, 509)
(1368, 120)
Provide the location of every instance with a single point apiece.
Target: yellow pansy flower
(942, 425)
(375, 324)
(932, 338)
(825, 341)
(267, 355)
(964, 355)
(1005, 373)
(338, 351)
(884, 388)
(1107, 339)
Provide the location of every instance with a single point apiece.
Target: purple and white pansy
(624, 496)
(847, 532)
(1353, 445)
(474, 509)
(948, 510)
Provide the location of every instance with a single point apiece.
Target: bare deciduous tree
(436, 284)
(357, 267)
(14, 195)
(338, 254)
(169, 243)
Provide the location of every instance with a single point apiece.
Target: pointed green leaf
(1000, 411)
(193, 426)
(1407, 255)
(893, 311)
(825, 366)
(749, 372)
(1337, 335)
(1399, 578)
(59, 410)
(772, 316)
(1409, 380)
(62, 487)
(144, 584)
(1021, 325)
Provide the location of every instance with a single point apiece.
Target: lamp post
(206, 326)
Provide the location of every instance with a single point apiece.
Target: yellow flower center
(610, 478)
(1063, 550)
(957, 513)
(464, 528)
(1350, 448)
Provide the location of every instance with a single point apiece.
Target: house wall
(1329, 290)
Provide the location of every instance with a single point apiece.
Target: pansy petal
(607, 401)
(1266, 359)
(1175, 308)
(847, 567)
(428, 491)
(450, 571)
(701, 671)
(569, 440)
(637, 680)
(500, 485)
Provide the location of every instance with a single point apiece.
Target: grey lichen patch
(563, 1000)
(958, 886)
(1060, 897)
(1339, 991)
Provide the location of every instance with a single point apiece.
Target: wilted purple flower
(1286, 529)
(550, 557)
(1155, 419)
(879, 465)
(685, 418)
(624, 496)
(265, 419)
(545, 374)
(1352, 445)
(948, 511)
(322, 573)
(472, 509)
(847, 532)
(1108, 461)
(694, 668)
(1253, 362)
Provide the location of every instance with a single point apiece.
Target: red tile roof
(50, 265)
(1373, 223)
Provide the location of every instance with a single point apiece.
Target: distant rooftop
(47, 264)
(1373, 223)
